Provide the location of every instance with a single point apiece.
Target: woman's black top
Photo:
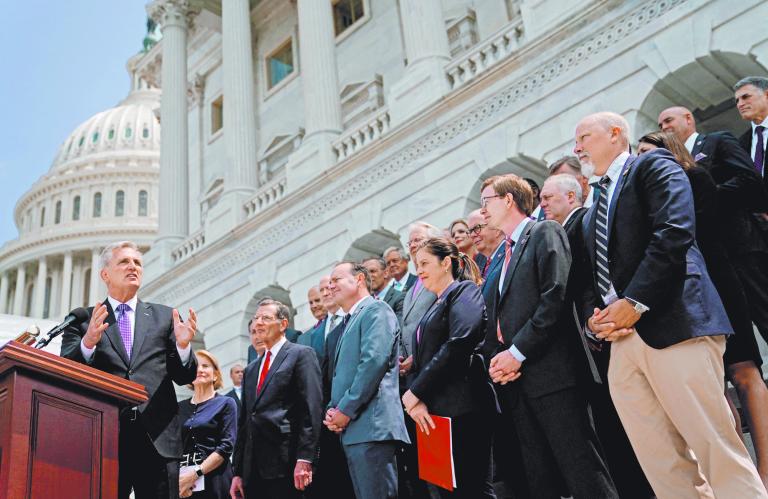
(443, 346)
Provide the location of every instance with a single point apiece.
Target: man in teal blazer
(365, 399)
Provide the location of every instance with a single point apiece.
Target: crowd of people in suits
(578, 336)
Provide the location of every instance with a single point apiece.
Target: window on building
(280, 63)
(111, 134)
(217, 114)
(97, 205)
(143, 199)
(145, 133)
(81, 142)
(42, 216)
(57, 215)
(346, 13)
(47, 299)
(76, 208)
(128, 133)
(119, 204)
(95, 137)
(86, 288)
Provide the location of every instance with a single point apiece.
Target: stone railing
(490, 52)
(188, 247)
(362, 135)
(267, 195)
(361, 99)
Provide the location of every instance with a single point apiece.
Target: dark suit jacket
(739, 190)
(528, 308)
(450, 331)
(154, 363)
(281, 423)
(292, 335)
(745, 141)
(409, 282)
(394, 299)
(497, 259)
(652, 257)
(232, 394)
(328, 364)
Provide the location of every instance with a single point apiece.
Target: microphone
(78, 315)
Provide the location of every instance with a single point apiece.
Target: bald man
(649, 293)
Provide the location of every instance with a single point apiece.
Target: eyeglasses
(475, 229)
(484, 200)
(264, 318)
(418, 240)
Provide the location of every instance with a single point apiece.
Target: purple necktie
(759, 149)
(416, 288)
(124, 323)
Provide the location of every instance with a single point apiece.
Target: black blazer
(528, 308)
(740, 191)
(745, 141)
(154, 363)
(652, 256)
(449, 332)
(281, 423)
(233, 395)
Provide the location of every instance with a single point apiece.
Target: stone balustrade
(188, 247)
(361, 136)
(267, 195)
(487, 54)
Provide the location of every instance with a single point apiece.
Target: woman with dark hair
(208, 429)
(742, 356)
(460, 236)
(443, 347)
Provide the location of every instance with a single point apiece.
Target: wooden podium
(58, 425)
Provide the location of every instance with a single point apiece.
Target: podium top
(14, 355)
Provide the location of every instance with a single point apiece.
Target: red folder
(436, 454)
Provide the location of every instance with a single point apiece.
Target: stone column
(427, 51)
(18, 297)
(78, 268)
(320, 85)
(95, 279)
(3, 291)
(174, 16)
(39, 299)
(54, 301)
(66, 284)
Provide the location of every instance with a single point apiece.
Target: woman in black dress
(208, 429)
(443, 345)
(742, 356)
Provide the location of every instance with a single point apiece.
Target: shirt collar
(131, 303)
(764, 123)
(277, 346)
(515, 236)
(497, 248)
(381, 294)
(571, 214)
(404, 279)
(614, 171)
(356, 305)
(691, 141)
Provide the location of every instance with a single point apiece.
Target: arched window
(128, 133)
(119, 203)
(143, 197)
(97, 205)
(76, 208)
(111, 134)
(42, 216)
(145, 133)
(57, 215)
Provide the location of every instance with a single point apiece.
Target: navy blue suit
(497, 259)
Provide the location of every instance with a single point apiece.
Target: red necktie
(507, 258)
(264, 370)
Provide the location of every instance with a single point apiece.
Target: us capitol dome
(101, 187)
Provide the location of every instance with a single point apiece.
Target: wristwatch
(198, 470)
(639, 307)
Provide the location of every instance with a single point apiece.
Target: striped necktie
(509, 243)
(601, 238)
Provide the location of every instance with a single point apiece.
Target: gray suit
(365, 388)
(414, 309)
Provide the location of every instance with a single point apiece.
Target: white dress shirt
(184, 353)
(691, 141)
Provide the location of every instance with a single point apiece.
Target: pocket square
(700, 156)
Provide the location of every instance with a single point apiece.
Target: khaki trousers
(671, 404)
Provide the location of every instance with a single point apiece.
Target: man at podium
(146, 343)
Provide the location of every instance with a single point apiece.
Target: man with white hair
(560, 198)
(649, 293)
(149, 344)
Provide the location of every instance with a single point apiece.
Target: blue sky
(62, 62)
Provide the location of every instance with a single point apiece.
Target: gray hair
(610, 120)
(566, 183)
(432, 231)
(756, 81)
(400, 251)
(282, 311)
(107, 252)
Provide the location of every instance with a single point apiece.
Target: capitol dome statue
(102, 186)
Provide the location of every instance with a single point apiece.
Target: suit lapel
(318, 336)
(412, 300)
(588, 228)
(352, 321)
(113, 334)
(617, 193)
(273, 367)
(251, 381)
(142, 317)
(517, 250)
(698, 145)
